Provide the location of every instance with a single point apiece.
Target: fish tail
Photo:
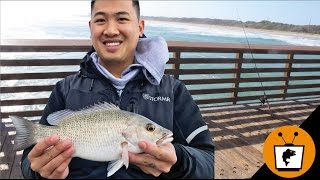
(25, 134)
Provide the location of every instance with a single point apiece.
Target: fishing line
(263, 99)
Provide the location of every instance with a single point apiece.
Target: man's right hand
(50, 157)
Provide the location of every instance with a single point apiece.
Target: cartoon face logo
(289, 159)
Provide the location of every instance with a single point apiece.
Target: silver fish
(101, 132)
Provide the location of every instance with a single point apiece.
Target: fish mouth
(166, 138)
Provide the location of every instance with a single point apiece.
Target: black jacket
(168, 104)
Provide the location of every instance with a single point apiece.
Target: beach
(232, 29)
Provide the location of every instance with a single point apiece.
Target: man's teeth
(113, 44)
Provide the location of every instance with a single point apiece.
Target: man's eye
(122, 19)
(99, 20)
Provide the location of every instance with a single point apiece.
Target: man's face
(115, 31)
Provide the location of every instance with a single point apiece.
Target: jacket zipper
(132, 105)
(132, 102)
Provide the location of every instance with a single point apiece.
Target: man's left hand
(156, 159)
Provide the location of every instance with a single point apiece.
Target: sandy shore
(237, 29)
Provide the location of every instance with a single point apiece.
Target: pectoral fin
(114, 166)
(125, 155)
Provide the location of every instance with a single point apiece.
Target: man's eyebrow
(122, 13)
(116, 14)
(99, 13)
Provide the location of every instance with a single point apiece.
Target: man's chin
(109, 59)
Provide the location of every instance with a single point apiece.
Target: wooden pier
(238, 121)
(238, 132)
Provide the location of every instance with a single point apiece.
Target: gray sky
(292, 12)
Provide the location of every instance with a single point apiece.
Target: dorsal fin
(98, 107)
(56, 117)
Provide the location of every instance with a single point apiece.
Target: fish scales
(100, 133)
(93, 134)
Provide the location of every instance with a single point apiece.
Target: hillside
(267, 25)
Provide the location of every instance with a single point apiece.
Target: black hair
(135, 4)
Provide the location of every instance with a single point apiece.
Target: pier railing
(215, 73)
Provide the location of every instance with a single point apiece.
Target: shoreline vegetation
(307, 30)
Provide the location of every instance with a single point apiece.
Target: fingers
(58, 150)
(57, 165)
(150, 170)
(150, 164)
(51, 157)
(38, 156)
(62, 171)
(44, 144)
(156, 159)
(165, 153)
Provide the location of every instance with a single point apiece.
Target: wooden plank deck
(238, 132)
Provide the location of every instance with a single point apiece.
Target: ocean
(170, 31)
(77, 28)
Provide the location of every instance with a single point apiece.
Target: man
(129, 72)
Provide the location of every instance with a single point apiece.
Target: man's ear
(89, 23)
(141, 27)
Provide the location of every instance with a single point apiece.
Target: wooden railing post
(287, 75)
(176, 65)
(237, 74)
(197, 76)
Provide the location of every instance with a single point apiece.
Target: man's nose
(111, 29)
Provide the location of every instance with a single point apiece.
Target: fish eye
(150, 127)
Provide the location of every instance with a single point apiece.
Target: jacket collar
(151, 53)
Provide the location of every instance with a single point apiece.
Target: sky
(290, 12)
(15, 13)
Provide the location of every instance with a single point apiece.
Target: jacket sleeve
(192, 139)
(55, 103)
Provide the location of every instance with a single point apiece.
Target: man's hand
(156, 159)
(51, 157)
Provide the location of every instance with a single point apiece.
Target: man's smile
(112, 45)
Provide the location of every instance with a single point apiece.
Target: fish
(100, 132)
(287, 154)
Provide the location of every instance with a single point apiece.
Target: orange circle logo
(289, 151)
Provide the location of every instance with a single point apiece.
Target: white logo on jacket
(154, 99)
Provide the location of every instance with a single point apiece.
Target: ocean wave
(230, 32)
(77, 28)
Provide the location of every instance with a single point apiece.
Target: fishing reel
(263, 99)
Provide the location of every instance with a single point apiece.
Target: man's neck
(115, 68)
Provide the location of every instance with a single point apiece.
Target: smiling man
(115, 31)
(124, 69)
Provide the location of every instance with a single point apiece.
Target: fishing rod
(264, 98)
